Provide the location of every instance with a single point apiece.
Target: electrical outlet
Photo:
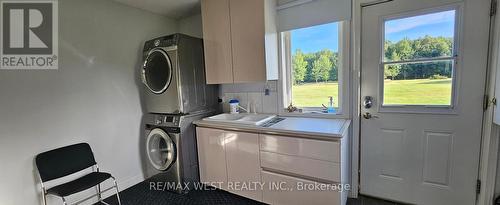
(272, 86)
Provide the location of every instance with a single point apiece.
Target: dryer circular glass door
(161, 149)
(157, 71)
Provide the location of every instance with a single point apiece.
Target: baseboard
(353, 194)
(131, 181)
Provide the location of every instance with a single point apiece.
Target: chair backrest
(64, 161)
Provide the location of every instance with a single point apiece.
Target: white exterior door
(423, 64)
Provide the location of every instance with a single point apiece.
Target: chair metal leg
(44, 198)
(44, 192)
(64, 201)
(99, 197)
(117, 191)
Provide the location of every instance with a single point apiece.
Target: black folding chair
(67, 160)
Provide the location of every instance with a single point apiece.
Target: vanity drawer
(292, 195)
(309, 148)
(307, 167)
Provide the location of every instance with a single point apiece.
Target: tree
(428, 46)
(335, 70)
(404, 49)
(424, 47)
(310, 58)
(392, 71)
(299, 66)
(321, 67)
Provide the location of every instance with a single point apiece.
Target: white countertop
(327, 129)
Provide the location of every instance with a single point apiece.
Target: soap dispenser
(330, 108)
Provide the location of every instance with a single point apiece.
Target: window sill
(315, 115)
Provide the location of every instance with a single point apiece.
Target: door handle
(368, 115)
(368, 102)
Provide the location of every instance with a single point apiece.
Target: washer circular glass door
(161, 149)
(157, 71)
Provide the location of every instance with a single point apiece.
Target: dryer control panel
(165, 41)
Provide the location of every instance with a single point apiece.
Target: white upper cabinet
(241, 42)
(217, 41)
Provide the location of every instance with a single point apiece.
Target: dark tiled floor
(365, 200)
(141, 194)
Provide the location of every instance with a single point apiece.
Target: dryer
(173, 75)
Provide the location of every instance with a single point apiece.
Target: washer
(170, 149)
(173, 75)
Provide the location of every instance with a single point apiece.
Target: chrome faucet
(248, 109)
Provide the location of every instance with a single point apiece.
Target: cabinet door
(217, 41)
(243, 164)
(287, 190)
(211, 156)
(248, 40)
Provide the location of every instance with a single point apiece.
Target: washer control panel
(167, 120)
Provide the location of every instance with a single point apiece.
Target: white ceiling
(171, 8)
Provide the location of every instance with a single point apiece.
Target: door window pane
(428, 83)
(419, 59)
(423, 36)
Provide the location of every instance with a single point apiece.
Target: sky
(316, 38)
(435, 24)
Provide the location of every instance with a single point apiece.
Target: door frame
(490, 134)
(488, 161)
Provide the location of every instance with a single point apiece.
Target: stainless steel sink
(247, 119)
(225, 117)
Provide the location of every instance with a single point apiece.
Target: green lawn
(314, 94)
(413, 92)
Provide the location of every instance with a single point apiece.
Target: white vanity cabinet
(242, 162)
(212, 157)
(293, 169)
(231, 160)
(314, 170)
(294, 196)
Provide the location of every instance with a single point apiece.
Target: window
(419, 59)
(313, 67)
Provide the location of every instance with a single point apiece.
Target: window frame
(285, 79)
(456, 57)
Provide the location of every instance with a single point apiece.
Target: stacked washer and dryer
(175, 94)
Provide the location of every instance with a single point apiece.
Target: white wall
(93, 97)
(252, 93)
(191, 26)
